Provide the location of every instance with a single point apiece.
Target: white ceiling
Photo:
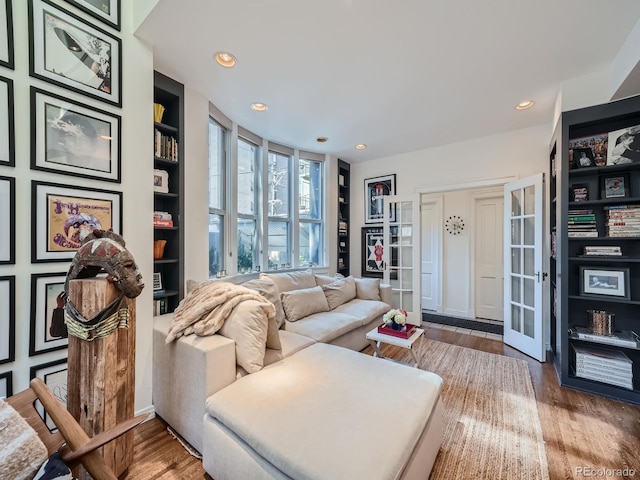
(398, 76)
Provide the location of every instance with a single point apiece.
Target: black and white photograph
(624, 146)
(594, 148)
(374, 190)
(48, 332)
(583, 157)
(7, 220)
(74, 139)
(611, 282)
(107, 11)
(616, 186)
(54, 375)
(6, 34)
(6, 384)
(69, 52)
(7, 130)
(7, 319)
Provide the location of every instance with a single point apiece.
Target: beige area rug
(492, 428)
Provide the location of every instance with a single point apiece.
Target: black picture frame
(596, 144)
(73, 138)
(6, 30)
(6, 384)
(579, 192)
(372, 250)
(60, 211)
(374, 189)
(45, 288)
(67, 51)
(108, 14)
(583, 157)
(7, 123)
(54, 375)
(601, 282)
(7, 318)
(615, 186)
(7, 220)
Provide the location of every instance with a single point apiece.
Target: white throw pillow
(268, 290)
(247, 326)
(298, 304)
(368, 288)
(340, 292)
(287, 281)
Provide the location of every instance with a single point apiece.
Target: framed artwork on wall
(7, 220)
(48, 331)
(67, 51)
(107, 11)
(374, 190)
(54, 374)
(7, 126)
(6, 384)
(62, 214)
(6, 34)
(372, 250)
(7, 319)
(74, 139)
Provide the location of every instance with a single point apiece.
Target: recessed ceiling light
(524, 105)
(225, 59)
(322, 139)
(360, 146)
(259, 107)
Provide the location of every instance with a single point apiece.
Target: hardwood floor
(581, 431)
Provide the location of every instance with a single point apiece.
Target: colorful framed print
(74, 139)
(590, 151)
(604, 282)
(624, 146)
(6, 34)
(6, 384)
(7, 319)
(54, 375)
(62, 214)
(67, 51)
(107, 11)
(7, 220)
(615, 186)
(7, 126)
(579, 192)
(372, 250)
(48, 331)
(374, 190)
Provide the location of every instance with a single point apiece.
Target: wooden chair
(78, 447)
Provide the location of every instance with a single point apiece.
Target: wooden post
(101, 373)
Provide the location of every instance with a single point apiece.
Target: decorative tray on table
(405, 333)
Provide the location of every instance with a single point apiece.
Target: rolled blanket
(204, 310)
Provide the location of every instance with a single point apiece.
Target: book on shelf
(341, 180)
(159, 293)
(628, 384)
(602, 356)
(159, 215)
(163, 223)
(160, 306)
(626, 338)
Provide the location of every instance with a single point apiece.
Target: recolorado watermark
(605, 472)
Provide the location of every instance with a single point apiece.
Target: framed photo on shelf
(48, 331)
(579, 192)
(594, 147)
(61, 213)
(374, 190)
(6, 384)
(107, 11)
(160, 181)
(6, 34)
(7, 126)
(54, 375)
(624, 146)
(609, 282)
(157, 281)
(583, 157)
(7, 319)
(74, 139)
(68, 51)
(616, 186)
(7, 220)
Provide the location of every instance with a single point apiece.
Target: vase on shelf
(158, 249)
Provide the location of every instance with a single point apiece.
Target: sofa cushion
(298, 304)
(368, 288)
(268, 290)
(327, 279)
(365, 310)
(291, 343)
(291, 280)
(247, 326)
(324, 327)
(340, 292)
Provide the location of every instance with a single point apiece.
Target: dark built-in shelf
(344, 215)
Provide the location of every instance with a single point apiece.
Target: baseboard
(151, 410)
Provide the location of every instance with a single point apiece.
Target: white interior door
(524, 213)
(489, 254)
(429, 215)
(401, 254)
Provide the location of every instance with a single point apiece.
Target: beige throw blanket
(204, 310)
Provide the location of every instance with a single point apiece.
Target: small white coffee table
(375, 338)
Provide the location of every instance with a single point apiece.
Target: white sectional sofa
(315, 410)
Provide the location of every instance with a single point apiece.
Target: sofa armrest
(385, 293)
(185, 373)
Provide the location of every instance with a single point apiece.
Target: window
(217, 160)
(278, 210)
(248, 168)
(310, 212)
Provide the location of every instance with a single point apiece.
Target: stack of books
(626, 338)
(582, 223)
(342, 227)
(603, 365)
(165, 146)
(162, 219)
(623, 220)
(602, 251)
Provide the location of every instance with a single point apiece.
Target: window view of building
(278, 210)
(248, 168)
(217, 161)
(310, 212)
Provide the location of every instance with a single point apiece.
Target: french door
(523, 235)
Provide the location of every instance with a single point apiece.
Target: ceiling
(397, 76)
